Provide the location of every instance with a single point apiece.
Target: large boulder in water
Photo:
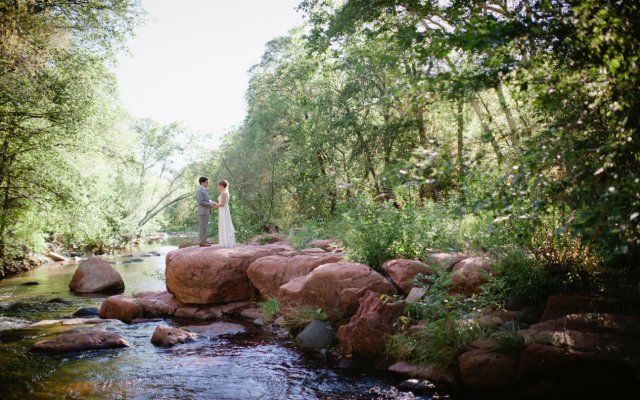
(79, 341)
(162, 304)
(124, 308)
(166, 336)
(315, 336)
(96, 275)
(213, 275)
(335, 288)
(269, 273)
(371, 326)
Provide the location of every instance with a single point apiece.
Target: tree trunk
(422, 132)
(515, 139)
(487, 131)
(460, 117)
(478, 112)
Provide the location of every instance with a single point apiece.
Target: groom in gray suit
(204, 210)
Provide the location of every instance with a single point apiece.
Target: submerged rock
(58, 300)
(56, 257)
(166, 336)
(80, 341)
(417, 386)
(315, 336)
(216, 329)
(96, 275)
(87, 312)
(69, 321)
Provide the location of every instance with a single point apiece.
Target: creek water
(254, 365)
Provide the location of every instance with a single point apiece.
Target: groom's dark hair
(203, 179)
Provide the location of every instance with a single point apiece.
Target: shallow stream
(254, 365)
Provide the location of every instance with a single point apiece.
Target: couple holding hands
(226, 232)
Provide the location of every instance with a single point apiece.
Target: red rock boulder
(485, 369)
(572, 367)
(368, 330)
(267, 238)
(335, 288)
(560, 305)
(403, 271)
(162, 304)
(445, 260)
(324, 244)
(96, 275)
(213, 275)
(267, 274)
(469, 274)
(80, 341)
(121, 307)
(166, 336)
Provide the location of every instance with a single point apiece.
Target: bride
(226, 232)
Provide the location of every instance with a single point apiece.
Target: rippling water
(254, 365)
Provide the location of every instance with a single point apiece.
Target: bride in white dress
(226, 232)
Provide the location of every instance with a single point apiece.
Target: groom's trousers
(204, 224)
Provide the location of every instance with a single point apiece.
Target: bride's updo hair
(224, 183)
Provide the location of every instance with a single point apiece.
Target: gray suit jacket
(202, 197)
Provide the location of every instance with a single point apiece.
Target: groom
(204, 210)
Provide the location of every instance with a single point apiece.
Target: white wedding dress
(226, 232)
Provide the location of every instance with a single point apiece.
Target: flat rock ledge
(81, 341)
(162, 304)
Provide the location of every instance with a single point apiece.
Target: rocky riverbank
(574, 345)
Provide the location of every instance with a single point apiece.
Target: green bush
(532, 280)
(380, 232)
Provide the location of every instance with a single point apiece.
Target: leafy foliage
(74, 167)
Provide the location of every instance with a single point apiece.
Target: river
(255, 365)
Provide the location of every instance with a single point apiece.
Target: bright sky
(189, 61)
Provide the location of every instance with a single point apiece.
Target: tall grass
(270, 309)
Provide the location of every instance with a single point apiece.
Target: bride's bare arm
(222, 201)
